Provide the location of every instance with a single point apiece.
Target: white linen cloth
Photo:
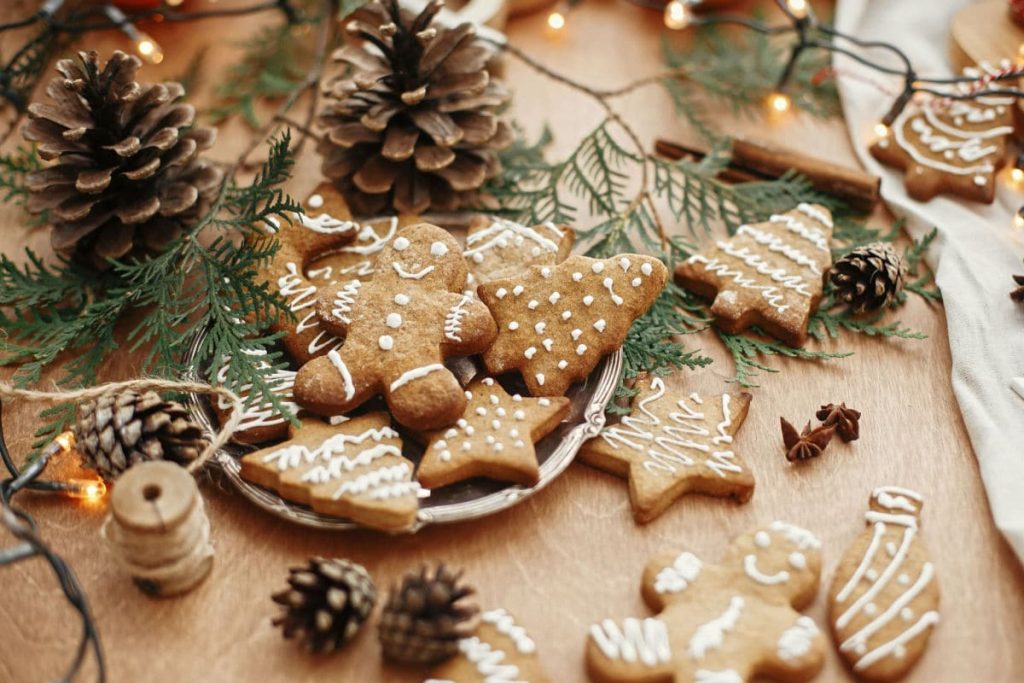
(977, 250)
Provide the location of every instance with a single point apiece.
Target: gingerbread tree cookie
(303, 239)
(501, 650)
(952, 147)
(673, 444)
(494, 438)
(769, 274)
(260, 421)
(398, 328)
(354, 469)
(726, 623)
(884, 599)
(498, 248)
(556, 323)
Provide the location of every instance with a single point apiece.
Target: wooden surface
(572, 554)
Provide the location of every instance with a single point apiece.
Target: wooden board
(571, 555)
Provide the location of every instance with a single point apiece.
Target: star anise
(1017, 294)
(808, 444)
(845, 420)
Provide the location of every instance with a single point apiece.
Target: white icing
(402, 299)
(301, 295)
(772, 295)
(386, 342)
(327, 224)
(344, 299)
(411, 275)
(507, 626)
(813, 212)
(891, 568)
(415, 374)
(795, 283)
(780, 246)
(751, 570)
(501, 232)
(260, 414)
(453, 320)
(645, 641)
(438, 249)
(762, 539)
(894, 646)
(401, 244)
(676, 577)
(393, 320)
(967, 145)
(798, 536)
(346, 376)
(872, 627)
(616, 299)
(797, 640)
(793, 225)
(711, 635)
(797, 560)
(488, 661)
(315, 201)
(721, 676)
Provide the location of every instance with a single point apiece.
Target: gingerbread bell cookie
(672, 444)
(500, 650)
(769, 274)
(884, 599)
(354, 469)
(556, 323)
(497, 248)
(494, 438)
(398, 329)
(725, 623)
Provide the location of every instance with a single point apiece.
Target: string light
(1017, 176)
(556, 20)
(779, 103)
(677, 15)
(798, 8)
(145, 45)
(881, 130)
(89, 490)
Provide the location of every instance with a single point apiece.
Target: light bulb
(881, 130)
(1017, 176)
(779, 102)
(677, 15)
(174, 3)
(798, 8)
(89, 490)
(556, 21)
(149, 49)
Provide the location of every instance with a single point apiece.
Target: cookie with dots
(731, 622)
(556, 323)
(500, 650)
(494, 438)
(950, 146)
(398, 329)
(673, 443)
(884, 599)
(354, 469)
(497, 248)
(304, 238)
(769, 274)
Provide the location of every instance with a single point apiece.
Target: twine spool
(158, 529)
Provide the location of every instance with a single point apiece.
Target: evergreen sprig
(13, 169)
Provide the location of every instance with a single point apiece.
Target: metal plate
(461, 501)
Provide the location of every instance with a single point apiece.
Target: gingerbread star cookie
(673, 444)
(883, 604)
(769, 274)
(301, 240)
(260, 422)
(354, 469)
(949, 146)
(725, 623)
(498, 248)
(398, 328)
(556, 323)
(494, 438)
(501, 650)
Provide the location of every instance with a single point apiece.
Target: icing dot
(499, 447)
(500, 412)
(441, 443)
(519, 415)
(906, 614)
(899, 652)
(462, 423)
(581, 349)
(544, 401)
(466, 445)
(597, 267)
(514, 433)
(532, 305)
(548, 343)
(576, 277)
(478, 257)
(393, 320)
(545, 272)
(517, 290)
(600, 325)
(519, 443)
(980, 180)
(576, 334)
(903, 579)
(402, 299)
(563, 364)
(871, 574)
(534, 252)
(438, 249)
(517, 398)
(540, 378)
(587, 300)
(861, 648)
(469, 395)
(624, 263)
(489, 381)
(451, 433)
(481, 411)
(948, 154)
(530, 352)
(400, 244)
(315, 201)
(883, 143)
(762, 539)
(636, 282)
(646, 269)
(495, 424)
(797, 561)
(870, 608)
(446, 455)
(385, 342)
(501, 293)
(490, 439)
(469, 430)
(539, 327)
(566, 314)
(513, 325)
(555, 296)
(494, 400)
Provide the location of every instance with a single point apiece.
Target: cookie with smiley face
(398, 329)
(720, 623)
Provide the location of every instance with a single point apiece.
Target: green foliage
(749, 352)
(13, 169)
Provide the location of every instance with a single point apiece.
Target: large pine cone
(121, 429)
(869, 277)
(414, 125)
(425, 618)
(128, 178)
(326, 603)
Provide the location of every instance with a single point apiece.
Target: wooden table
(571, 555)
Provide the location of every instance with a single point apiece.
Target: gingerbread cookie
(769, 274)
(497, 248)
(725, 623)
(556, 323)
(884, 599)
(673, 444)
(949, 146)
(398, 328)
(494, 438)
(355, 261)
(354, 469)
(305, 237)
(501, 650)
(260, 422)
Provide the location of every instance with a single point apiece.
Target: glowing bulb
(779, 102)
(1017, 176)
(149, 49)
(89, 490)
(556, 21)
(1018, 221)
(798, 8)
(174, 3)
(677, 16)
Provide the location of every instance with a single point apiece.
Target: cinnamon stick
(763, 161)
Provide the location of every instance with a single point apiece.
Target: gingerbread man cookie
(355, 261)
(260, 422)
(769, 274)
(354, 469)
(950, 146)
(304, 238)
(497, 248)
(673, 444)
(494, 438)
(725, 623)
(501, 650)
(884, 599)
(398, 328)
(556, 323)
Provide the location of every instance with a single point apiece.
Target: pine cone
(426, 617)
(121, 429)
(414, 124)
(127, 178)
(326, 604)
(869, 277)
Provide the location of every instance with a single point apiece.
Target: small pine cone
(413, 123)
(121, 429)
(869, 277)
(326, 603)
(127, 178)
(426, 616)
